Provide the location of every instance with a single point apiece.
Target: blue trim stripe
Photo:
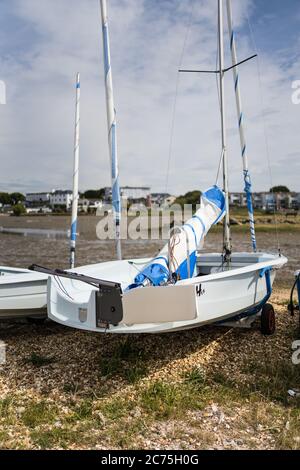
(106, 49)
(232, 39)
(248, 192)
(115, 198)
(78, 85)
(193, 230)
(298, 288)
(113, 146)
(163, 259)
(247, 179)
(74, 231)
(182, 271)
(201, 222)
(236, 82)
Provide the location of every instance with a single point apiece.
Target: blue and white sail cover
(173, 258)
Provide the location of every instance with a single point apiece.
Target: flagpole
(112, 129)
(75, 176)
(247, 178)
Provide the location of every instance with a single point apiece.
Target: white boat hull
(23, 293)
(215, 295)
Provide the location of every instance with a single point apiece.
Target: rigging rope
(217, 76)
(61, 287)
(176, 94)
(219, 100)
(219, 167)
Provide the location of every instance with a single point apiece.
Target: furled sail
(177, 260)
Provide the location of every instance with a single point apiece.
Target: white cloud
(62, 37)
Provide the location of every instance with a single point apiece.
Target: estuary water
(40, 240)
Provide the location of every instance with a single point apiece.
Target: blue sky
(276, 25)
(43, 43)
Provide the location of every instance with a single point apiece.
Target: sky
(167, 140)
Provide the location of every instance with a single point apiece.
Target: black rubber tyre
(268, 320)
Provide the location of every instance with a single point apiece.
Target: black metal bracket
(75, 276)
(108, 297)
(218, 71)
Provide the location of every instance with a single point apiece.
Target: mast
(247, 178)
(75, 176)
(227, 235)
(112, 129)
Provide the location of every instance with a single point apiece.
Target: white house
(83, 205)
(94, 205)
(38, 198)
(158, 199)
(131, 193)
(237, 199)
(135, 193)
(61, 198)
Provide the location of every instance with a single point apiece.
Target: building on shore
(267, 201)
(83, 205)
(38, 210)
(95, 204)
(159, 199)
(37, 199)
(133, 194)
(61, 199)
(53, 199)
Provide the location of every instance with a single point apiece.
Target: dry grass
(211, 388)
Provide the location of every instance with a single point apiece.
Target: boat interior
(4, 271)
(207, 263)
(211, 263)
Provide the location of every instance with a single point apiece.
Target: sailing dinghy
(23, 293)
(181, 288)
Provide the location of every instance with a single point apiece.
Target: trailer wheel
(268, 320)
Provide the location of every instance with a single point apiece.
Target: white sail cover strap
(179, 256)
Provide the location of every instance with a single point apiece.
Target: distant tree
(279, 189)
(19, 210)
(94, 194)
(16, 198)
(11, 199)
(192, 197)
(5, 198)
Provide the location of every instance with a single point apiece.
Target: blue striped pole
(75, 176)
(112, 129)
(247, 178)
